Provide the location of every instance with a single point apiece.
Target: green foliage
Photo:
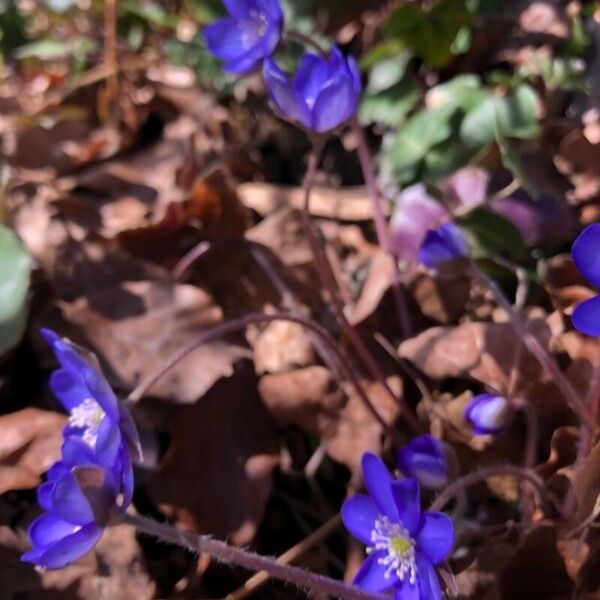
(12, 27)
(14, 282)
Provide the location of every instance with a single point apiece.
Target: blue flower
(488, 413)
(443, 244)
(247, 36)
(403, 544)
(323, 94)
(423, 459)
(586, 254)
(94, 476)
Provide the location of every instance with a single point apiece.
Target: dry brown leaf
(442, 299)
(30, 441)
(136, 326)
(216, 475)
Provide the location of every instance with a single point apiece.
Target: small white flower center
(88, 415)
(400, 547)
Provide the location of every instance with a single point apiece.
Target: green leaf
(391, 106)
(419, 134)
(387, 73)
(14, 282)
(430, 32)
(491, 234)
(463, 91)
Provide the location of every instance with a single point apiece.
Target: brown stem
(305, 40)
(501, 470)
(227, 554)
(534, 346)
(322, 268)
(241, 324)
(381, 227)
(110, 53)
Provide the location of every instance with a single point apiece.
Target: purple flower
(586, 254)
(488, 413)
(247, 36)
(83, 488)
(423, 459)
(443, 244)
(323, 94)
(403, 544)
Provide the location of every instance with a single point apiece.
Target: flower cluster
(586, 254)
(325, 90)
(403, 543)
(94, 476)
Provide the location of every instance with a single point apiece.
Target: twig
(110, 53)
(305, 40)
(226, 554)
(289, 556)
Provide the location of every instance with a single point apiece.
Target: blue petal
(408, 502)
(586, 253)
(371, 575)
(240, 9)
(336, 103)
(66, 550)
(44, 495)
(70, 503)
(405, 591)
(424, 459)
(488, 413)
(228, 39)
(454, 239)
(108, 442)
(48, 528)
(311, 77)
(436, 537)
(57, 471)
(355, 75)
(68, 387)
(102, 393)
(283, 95)
(429, 583)
(586, 316)
(75, 452)
(358, 514)
(379, 484)
(126, 478)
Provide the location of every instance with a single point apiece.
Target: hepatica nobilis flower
(323, 94)
(488, 413)
(249, 34)
(423, 459)
(403, 543)
(586, 254)
(94, 477)
(443, 244)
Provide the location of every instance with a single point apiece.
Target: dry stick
(501, 470)
(110, 49)
(321, 265)
(289, 556)
(545, 359)
(226, 554)
(241, 324)
(381, 227)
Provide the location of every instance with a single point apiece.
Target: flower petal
(358, 514)
(69, 502)
(44, 495)
(429, 583)
(283, 94)
(488, 413)
(436, 536)
(240, 9)
(371, 575)
(68, 388)
(126, 478)
(76, 452)
(48, 528)
(227, 39)
(336, 103)
(311, 77)
(108, 443)
(67, 549)
(586, 253)
(408, 502)
(102, 393)
(586, 316)
(378, 482)
(405, 591)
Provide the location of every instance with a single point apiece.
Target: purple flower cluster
(94, 476)
(586, 254)
(325, 90)
(403, 544)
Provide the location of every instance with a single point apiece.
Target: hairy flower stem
(478, 476)
(224, 553)
(327, 280)
(253, 319)
(542, 355)
(381, 227)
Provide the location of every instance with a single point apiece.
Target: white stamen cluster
(88, 415)
(400, 547)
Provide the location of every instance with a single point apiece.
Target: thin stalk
(381, 227)
(305, 40)
(322, 268)
(224, 553)
(478, 476)
(241, 324)
(533, 433)
(110, 52)
(542, 355)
